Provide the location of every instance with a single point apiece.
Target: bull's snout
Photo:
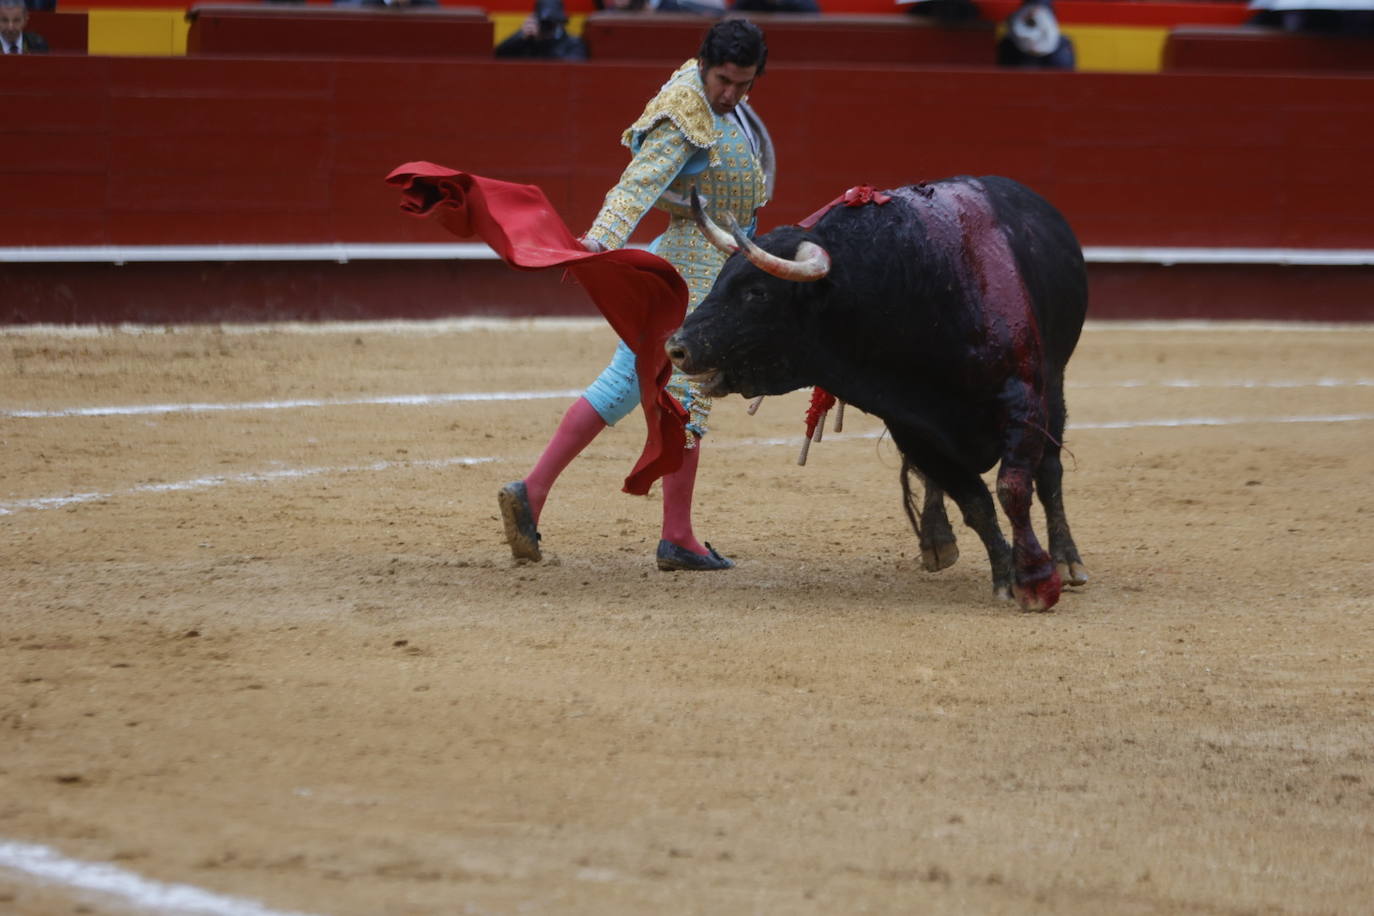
(676, 350)
(709, 379)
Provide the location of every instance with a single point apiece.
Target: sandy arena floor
(264, 638)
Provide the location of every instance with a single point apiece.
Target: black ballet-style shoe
(671, 557)
(521, 534)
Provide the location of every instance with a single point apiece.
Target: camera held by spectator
(544, 33)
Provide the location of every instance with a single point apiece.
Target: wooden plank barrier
(301, 30)
(182, 150)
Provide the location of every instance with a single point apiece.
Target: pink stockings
(677, 502)
(579, 426)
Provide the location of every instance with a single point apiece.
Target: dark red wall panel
(336, 31)
(63, 31)
(1257, 48)
(276, 291)
(890, 38)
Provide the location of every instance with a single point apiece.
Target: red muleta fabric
(642, 295)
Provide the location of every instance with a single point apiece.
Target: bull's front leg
(1035, 581)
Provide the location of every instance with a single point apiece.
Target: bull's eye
(755, 295)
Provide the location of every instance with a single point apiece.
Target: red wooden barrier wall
(185, 150)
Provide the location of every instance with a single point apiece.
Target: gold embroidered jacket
(679, 141)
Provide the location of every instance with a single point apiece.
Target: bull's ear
(714, 234)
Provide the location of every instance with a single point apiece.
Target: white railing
(343, 253)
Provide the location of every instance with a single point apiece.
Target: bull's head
(746, 333)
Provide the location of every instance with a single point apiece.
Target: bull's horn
(714, 234)
(812, 261)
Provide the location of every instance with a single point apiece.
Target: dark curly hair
(734, 41)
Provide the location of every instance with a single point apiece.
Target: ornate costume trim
(682, 100)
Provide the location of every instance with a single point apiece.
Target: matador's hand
(592, 245)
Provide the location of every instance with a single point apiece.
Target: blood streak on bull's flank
(959, 217)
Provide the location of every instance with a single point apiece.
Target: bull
(947, 309)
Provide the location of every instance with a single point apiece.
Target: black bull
(949, 312)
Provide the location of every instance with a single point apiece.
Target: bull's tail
(908, 498)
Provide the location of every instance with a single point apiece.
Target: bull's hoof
(939, 556)
(1039, 596)
(1072, 573)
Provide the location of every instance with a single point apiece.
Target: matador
(697, 131)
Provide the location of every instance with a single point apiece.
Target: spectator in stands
(14, 16)
(544, 33)
(777, 6)
(1033, 39)
(942, 11)
(392, 3)
(704, 7)
(1326, 17)
(40, 6)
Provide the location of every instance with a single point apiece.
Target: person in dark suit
(14, 16)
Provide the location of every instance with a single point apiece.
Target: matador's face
(726, 84)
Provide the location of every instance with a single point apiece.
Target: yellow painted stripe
(1115, 48)
(1127, 49)
(137, 32)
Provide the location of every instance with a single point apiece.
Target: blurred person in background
(544, 33)
(942, 12)
(777, 6)
(1327, 17)
(703, 7)
(14, 18)
(1033, 39)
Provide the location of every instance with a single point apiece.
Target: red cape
(642, 296)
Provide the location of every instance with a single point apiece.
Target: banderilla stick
(814, 437)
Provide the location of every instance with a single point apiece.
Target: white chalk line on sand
(263, 477)
(431, 400)
(220, 480)
(397, 400)
(134, 890)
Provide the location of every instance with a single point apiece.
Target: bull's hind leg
(1049, 484)
(938, 547)
(969, 493)
(1037, 582)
